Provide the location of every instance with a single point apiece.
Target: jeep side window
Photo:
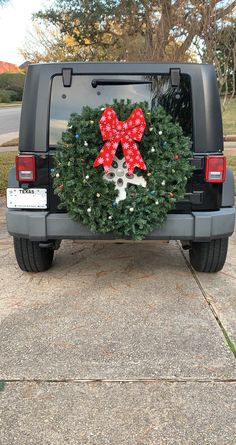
(95, 91)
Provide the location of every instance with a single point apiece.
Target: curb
(230, 138)
(8, 149)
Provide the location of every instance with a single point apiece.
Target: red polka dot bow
(114, 131)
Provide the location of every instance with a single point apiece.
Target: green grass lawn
(10, 104)
(231, 163)
(7, 160)
(229, 118)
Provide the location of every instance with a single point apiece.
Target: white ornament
(98, 195)
(91, 122)
(163, 183)
(149, 174)
(151, 129)
(160, 132)
(152, 149)
(102, 109)
(109, 217)
(157, 202)
(87, 177)
(89, 210)
(119, 175)
(131, 209)
(85, 143)
(57, 175)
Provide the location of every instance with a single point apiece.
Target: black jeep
(202, 221)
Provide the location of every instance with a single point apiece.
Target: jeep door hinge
(67, 77)
(175, 77)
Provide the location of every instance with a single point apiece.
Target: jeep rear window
(85, 90)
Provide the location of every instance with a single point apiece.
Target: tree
(47, 44)
(226, 54)
(131, 30)
(225, 61)
(219, 37)
(160, 29)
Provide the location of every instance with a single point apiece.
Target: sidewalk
(8, 149)
(8, 137)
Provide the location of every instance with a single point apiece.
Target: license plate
(26, 199)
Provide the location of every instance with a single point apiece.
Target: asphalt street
(9, 119)
(116, 344)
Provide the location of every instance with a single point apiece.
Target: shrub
(8, 96)
(13, 82)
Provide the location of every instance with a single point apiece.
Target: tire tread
(30, 257)
(209, 256)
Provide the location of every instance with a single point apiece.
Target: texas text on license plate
(26, 199)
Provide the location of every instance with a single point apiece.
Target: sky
(15, 22)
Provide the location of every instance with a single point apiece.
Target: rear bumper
(197, 226)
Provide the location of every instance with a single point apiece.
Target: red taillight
(215, 169)
(25, 168)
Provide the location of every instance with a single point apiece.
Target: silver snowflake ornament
(118, 173)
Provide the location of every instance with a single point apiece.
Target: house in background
(6, 67)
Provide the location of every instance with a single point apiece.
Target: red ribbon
(114, 131)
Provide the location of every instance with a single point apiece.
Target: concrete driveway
(116, 344)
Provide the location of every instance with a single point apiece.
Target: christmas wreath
(111, 183)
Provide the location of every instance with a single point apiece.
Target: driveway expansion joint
(229, 342)
(140, 380)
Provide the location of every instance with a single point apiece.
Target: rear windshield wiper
(96, 82)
